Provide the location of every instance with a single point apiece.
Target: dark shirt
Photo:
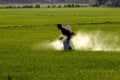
(66, 32)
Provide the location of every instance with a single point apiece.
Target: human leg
(67, 45)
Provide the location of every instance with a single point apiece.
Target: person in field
(66, 36)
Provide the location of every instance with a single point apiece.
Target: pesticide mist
(91, 41)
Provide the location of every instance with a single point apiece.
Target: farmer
(66, 36)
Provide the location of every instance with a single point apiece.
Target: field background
(20, 29)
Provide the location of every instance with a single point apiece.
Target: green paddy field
(22, 29)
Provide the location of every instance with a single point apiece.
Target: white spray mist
(91, 41)
(86, 41)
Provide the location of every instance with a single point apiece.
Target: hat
(59, 26)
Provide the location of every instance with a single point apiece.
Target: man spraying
(66, 36)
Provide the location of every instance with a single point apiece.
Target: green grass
(20, 29)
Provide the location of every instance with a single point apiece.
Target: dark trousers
(66, 44)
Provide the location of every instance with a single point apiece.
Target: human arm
(62, 37)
